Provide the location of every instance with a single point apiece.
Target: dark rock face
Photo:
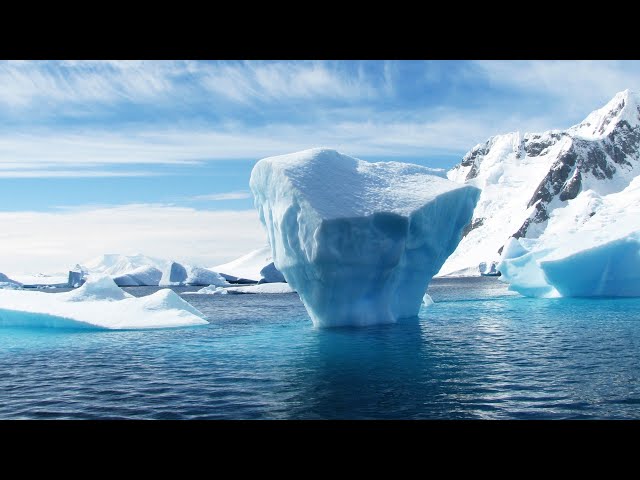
(475, 223)
(589, 155)
(537, 144)
(474, 157)
(598, 158)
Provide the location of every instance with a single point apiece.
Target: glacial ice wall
(358, 241)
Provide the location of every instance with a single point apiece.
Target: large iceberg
(99, 303)
(358, 241)
(590, 248)
(176, 274)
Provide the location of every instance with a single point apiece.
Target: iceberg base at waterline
(99, 303)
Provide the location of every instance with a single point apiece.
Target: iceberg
(270, 274)
(176, 274)
(6, 282)
(358, 241)
(590, 248)
(99, 303)
(427, 301)
(145, 275)
(255, 267)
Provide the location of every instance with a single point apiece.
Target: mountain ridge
(525, 177)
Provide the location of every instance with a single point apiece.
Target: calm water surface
(479, 352)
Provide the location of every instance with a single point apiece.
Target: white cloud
(281, 80)
(580, 85)
(389, 135)
(47, 85)
(236, 195)
(52, 241)
(35, 173)
(41, 83)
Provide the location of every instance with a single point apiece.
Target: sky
(154, 157)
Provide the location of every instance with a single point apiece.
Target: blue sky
(182, 136)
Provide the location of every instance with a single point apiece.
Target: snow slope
(526, 178)
(99, 303)
(358, 241)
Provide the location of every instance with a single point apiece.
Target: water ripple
(479, 352)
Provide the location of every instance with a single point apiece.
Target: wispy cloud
(580, 84)
(39, 241)
(421, 133)
(72, 173)
(236, 195)
(276, 81)
(48, 84)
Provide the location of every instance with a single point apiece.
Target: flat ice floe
(99, 303)
(358, 241)
(265, 288)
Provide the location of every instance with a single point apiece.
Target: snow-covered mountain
(553, 180)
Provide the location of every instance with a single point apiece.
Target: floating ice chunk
(358, 241)
(611, 269)
(98, 287)
(210, 290)
(262, 288)
(270, 274)
(176, 274)
(145, 275)
(99, 303)
(427, 300)
(256, 266)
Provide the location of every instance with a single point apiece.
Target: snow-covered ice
(527, 178)
(43, 279)
(589, 248)
(256, 266)
(263, 288)
(358, 241)
(176, 274)
(145, 275)
(210, 290)
(99, 303)
(266, 288)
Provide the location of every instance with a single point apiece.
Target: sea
(479, 352)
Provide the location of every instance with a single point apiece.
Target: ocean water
(479, 352)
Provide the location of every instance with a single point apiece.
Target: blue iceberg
(358, 241)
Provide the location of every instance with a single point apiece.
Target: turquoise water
(478, 352)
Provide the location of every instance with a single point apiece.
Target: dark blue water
(479, 352)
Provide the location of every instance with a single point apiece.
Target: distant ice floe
(99, 303)
(262, 288)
